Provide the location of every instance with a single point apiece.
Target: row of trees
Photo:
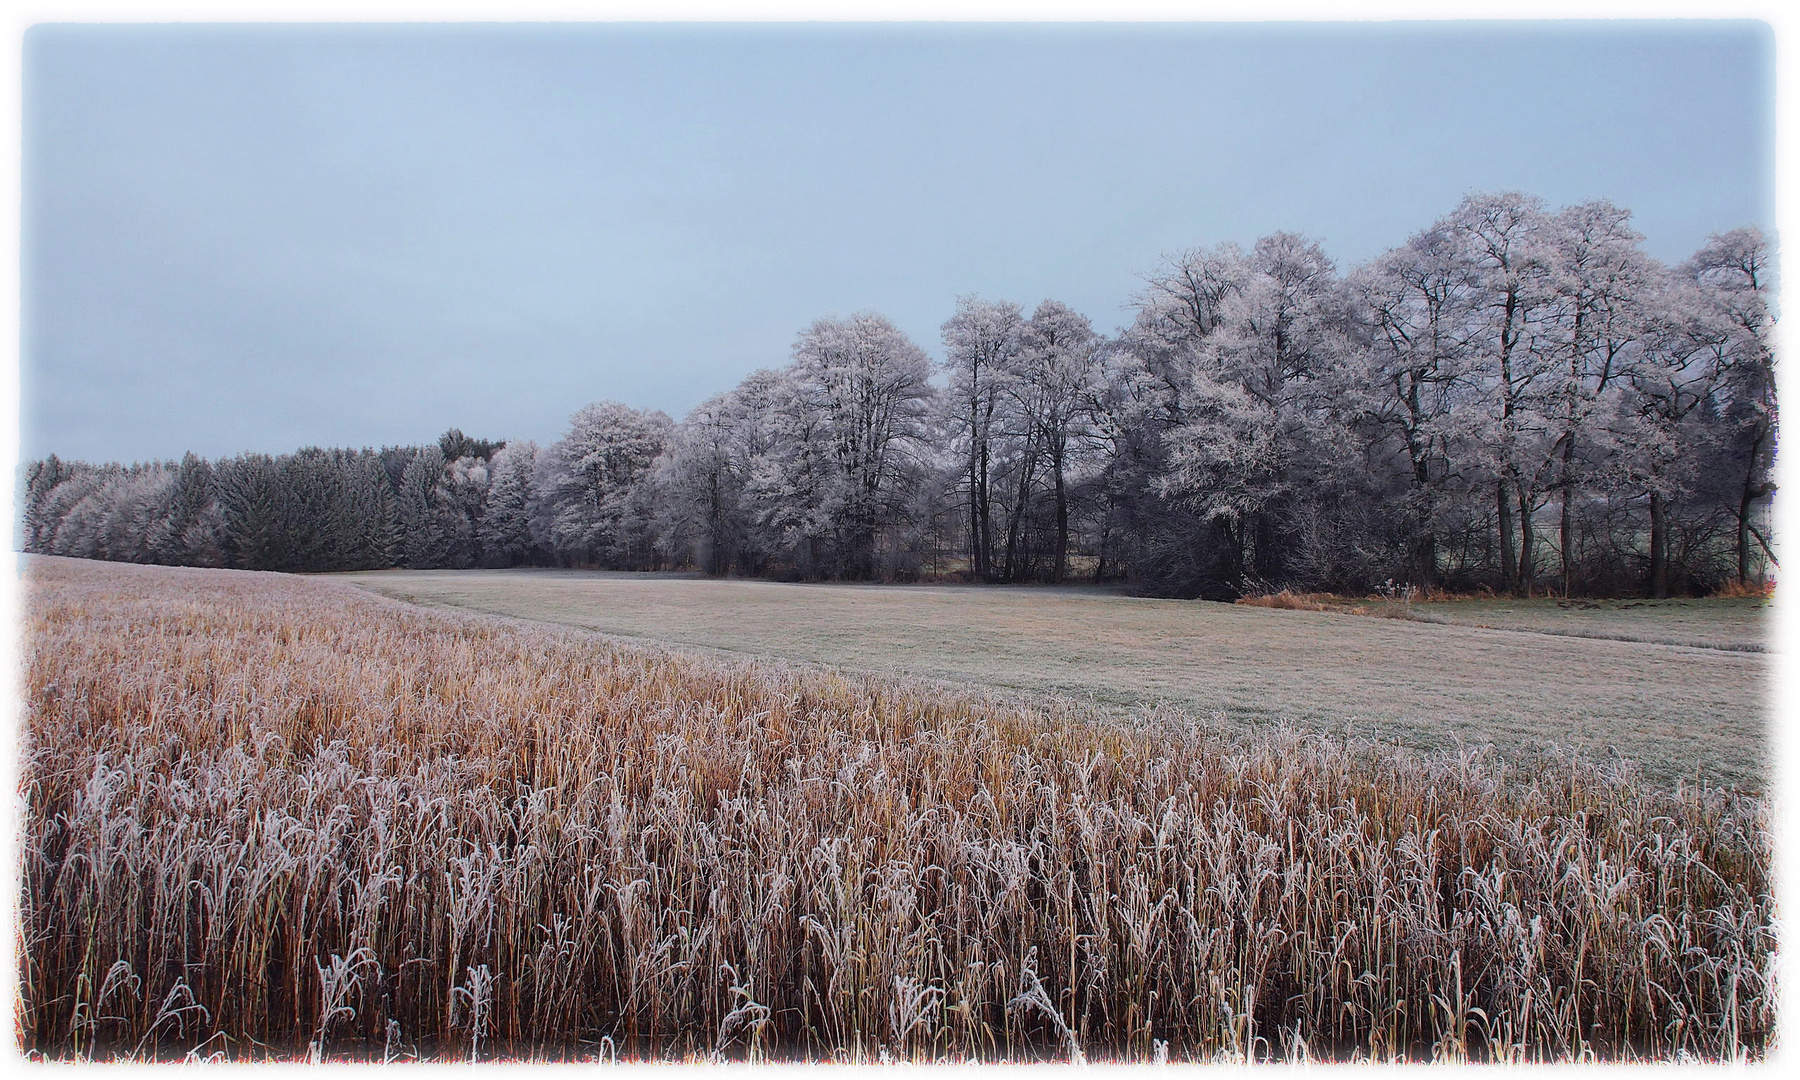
(1516, 397)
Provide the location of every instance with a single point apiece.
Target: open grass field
(269, 816)
(1678, 711)
(1734, 623)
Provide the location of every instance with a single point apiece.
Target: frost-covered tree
(465, 490)
(1663, 427)
(752, 413)
(1598, 276)
(1277, 330)
(309, 488)
(700, 490)
(377, 544)
(789, 485)
(313, 510)
(1411, 307)
(252, 504)
(430, 523)
(1051, 386)
(847, 460)
(1734, 271)
(453, 444)
(707, 511)
(36, 519)
(1259, 421)
(1181, 306)
(1253, 380)
(187, 529)
(133, 498)
(594, 506)
(504, 533)
(1227, 460)
(1503, 238)
(981, 345)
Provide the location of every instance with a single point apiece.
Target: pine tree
(425, 544)
(504, 534)
(250, 502)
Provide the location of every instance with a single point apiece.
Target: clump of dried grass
(1746, 590)
(1288, 600)
(276, 817)
(1391, 602)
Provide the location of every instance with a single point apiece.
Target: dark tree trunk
(717, 557)
(985, 538)
(1105, 539)
(1425, 560)
(974, 516)
(1527, 546)
(1236, 535)
(1659, 547)
(1566, 527)
(1743, 537)
(1013, 526)
(1509, 566)
(1425, 554)
(1747, 498)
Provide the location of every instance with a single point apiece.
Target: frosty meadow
(277, 816)
(1105, 651)
(1520, 819)
(1680, 687)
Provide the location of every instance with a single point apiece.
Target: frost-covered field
(277, 816)
(1678, 711)
(1734, 623)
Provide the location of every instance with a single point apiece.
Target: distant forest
(1516, 398)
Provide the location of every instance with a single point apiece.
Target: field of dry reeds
(275, 817)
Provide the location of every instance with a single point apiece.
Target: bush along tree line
(1516, 398)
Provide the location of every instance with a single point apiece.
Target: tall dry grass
(1391, 602)
(269, 816)
(1749, 590)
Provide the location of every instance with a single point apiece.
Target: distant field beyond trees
(1516, 398)
(269, 816)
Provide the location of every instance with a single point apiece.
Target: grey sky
(259, 238)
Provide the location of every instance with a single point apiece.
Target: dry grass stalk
(1287, 600)
(268, 816)
(1392, 602)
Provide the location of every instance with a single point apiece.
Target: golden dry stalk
(274, 816)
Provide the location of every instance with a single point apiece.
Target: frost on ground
(270, 816)
(1679, 712)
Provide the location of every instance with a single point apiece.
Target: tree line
(1516, 398)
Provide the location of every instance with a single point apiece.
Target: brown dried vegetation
(1287, 600)
(1749, 589)
(267, 816)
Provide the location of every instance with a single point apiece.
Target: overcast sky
(260, 238)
